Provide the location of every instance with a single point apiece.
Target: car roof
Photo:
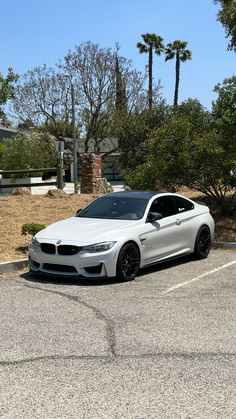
(134, 194)
(144, 195)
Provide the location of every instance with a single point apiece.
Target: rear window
(183, 205)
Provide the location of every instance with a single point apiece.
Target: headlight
(35, 242)
(98, 247)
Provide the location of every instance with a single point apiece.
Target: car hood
(86, 230)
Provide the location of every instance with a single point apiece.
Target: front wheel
(202, 243)
(128, 262)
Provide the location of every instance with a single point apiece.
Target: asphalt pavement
(162, 346)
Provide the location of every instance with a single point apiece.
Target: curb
(224, 245)
(7, 267)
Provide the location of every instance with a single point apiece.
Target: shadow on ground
(91, 282)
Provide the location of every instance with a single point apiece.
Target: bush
(31, 228)
(2, 149)
(179, 155)
(142, 178)
(29, 152)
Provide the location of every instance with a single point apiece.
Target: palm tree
(178, 50)
(152, 43)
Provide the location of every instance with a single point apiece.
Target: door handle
(178, 221)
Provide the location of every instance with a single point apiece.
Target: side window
(164, 205)
(182, 204)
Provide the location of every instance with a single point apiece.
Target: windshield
(110, 207)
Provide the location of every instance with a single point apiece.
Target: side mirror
(154, 216)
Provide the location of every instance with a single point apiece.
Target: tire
(202, 243)
(128, 262)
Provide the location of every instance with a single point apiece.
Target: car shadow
(42, 278)
(162, 266)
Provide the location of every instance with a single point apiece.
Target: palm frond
(142, 48)
(185, 55)
(169, 55)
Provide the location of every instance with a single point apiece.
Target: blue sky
(34, 32)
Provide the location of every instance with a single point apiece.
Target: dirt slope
(17, 210)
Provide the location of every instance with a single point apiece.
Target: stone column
(91, 172)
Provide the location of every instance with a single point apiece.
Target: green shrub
(31, 228)
(2, 149)
(29, 152)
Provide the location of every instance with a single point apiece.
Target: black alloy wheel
(202, 243)
(128, 262)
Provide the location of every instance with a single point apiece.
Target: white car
(120, 232)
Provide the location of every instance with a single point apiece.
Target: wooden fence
(58, 182)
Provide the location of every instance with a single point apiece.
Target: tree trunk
(177, 73)
(150, 60)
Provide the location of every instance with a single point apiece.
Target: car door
(186, 220)
(161, 237)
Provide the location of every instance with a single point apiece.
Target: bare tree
(83, 86)
(93, 72)
(43, 100)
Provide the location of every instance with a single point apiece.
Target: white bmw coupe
(120, 232)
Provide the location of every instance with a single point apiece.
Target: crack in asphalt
(165, 355)
(109, 324)
(112, 355)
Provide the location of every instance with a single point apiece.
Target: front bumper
(89, 265)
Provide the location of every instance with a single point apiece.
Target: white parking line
(182, 284)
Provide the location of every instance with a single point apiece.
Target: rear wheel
(128, 262)
(202, 243)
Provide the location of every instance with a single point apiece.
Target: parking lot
(162, 346)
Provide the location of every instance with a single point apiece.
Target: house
(108, 148)
(7, 132)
